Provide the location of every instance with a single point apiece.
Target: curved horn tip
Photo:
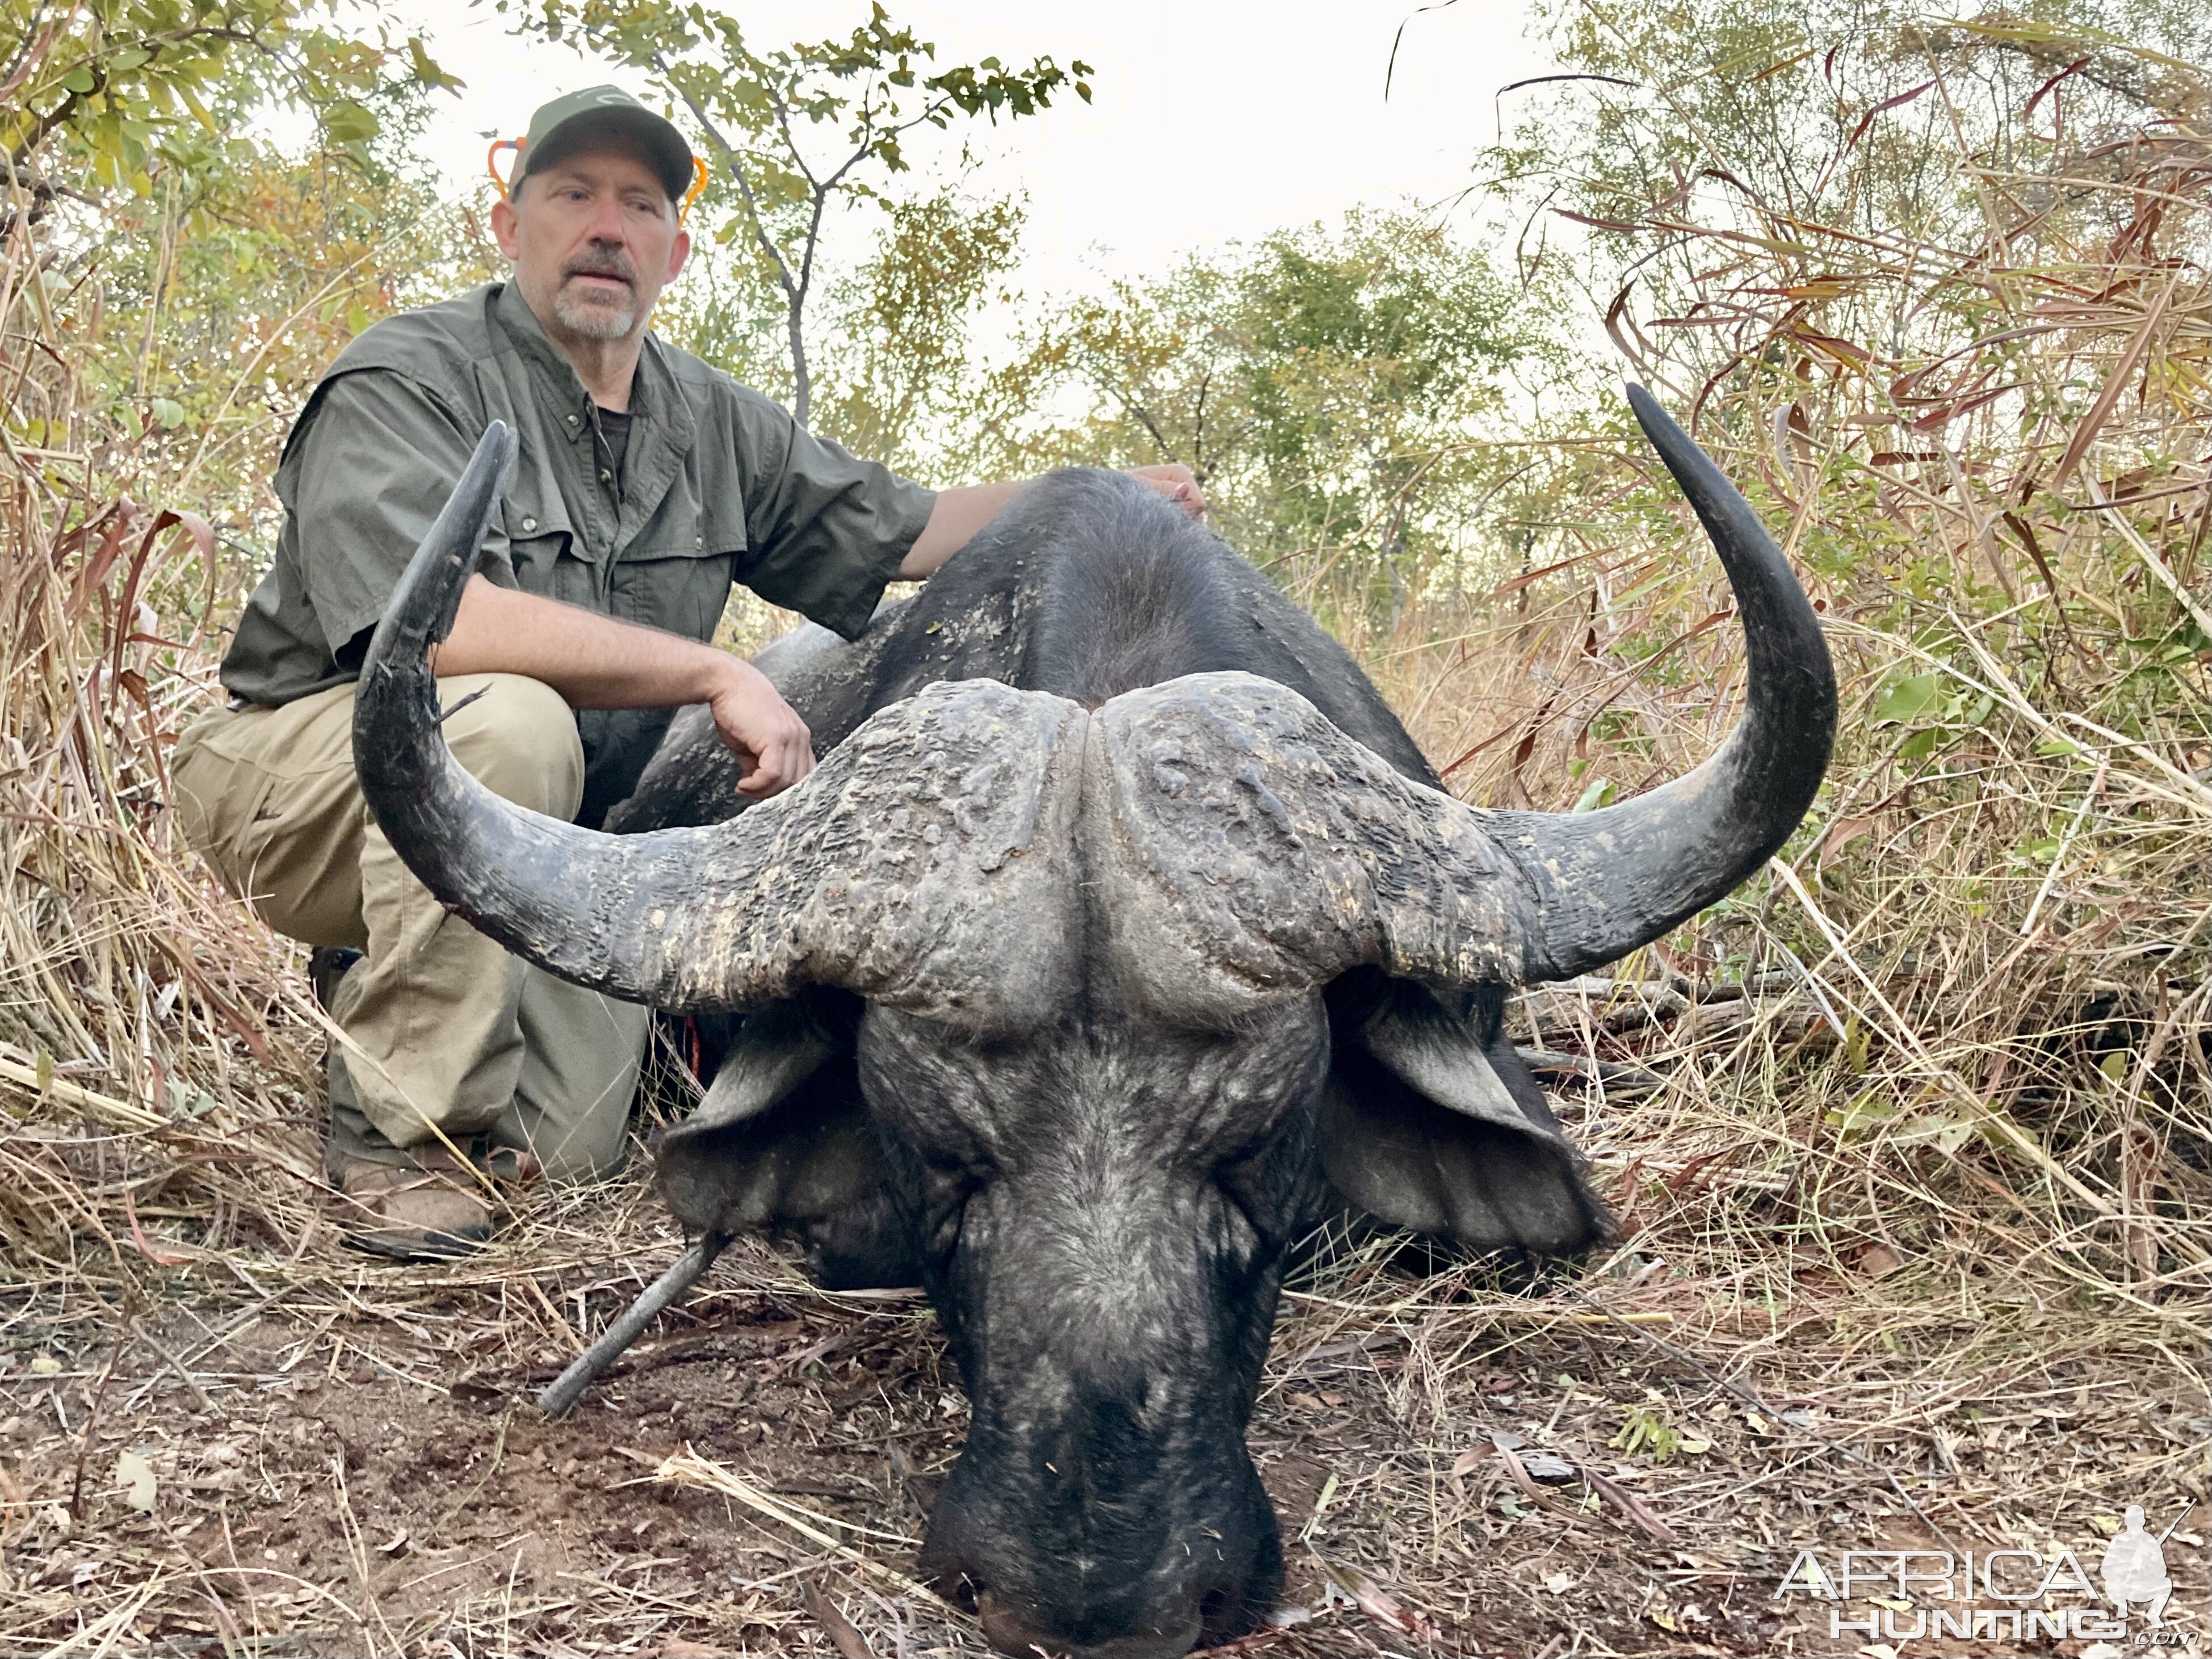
(1659, 426)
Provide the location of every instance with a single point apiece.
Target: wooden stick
(563, 1391)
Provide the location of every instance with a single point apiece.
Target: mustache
(611, 263)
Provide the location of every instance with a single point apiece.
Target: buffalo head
(1087, 1014)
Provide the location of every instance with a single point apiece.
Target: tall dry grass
(1949, 1054)
(151, 1070)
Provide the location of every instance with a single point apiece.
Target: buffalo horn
(890, 871)
(1260, 848)
(1610, 881)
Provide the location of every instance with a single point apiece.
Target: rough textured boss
(1121, 936)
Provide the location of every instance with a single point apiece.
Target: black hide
(1089, 585)
(1102, 1211)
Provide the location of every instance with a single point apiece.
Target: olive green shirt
(715, 484)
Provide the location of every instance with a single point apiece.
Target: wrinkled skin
(1100, 1210)
(1082, 1001)
(1103, 1214)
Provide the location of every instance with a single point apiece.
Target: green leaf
(199, 110)
(349, 123)
(167, 413)
(1908, 700)
(1597, 794)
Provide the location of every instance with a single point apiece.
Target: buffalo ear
(780, 1144)
(1432, 1122)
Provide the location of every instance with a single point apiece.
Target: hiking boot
(430, 1210)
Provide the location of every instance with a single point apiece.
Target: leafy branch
(759, 110)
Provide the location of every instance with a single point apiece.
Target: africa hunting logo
(2000, 1594)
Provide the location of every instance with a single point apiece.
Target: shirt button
(605, 477)
(572, 420)
(530, 526)
(698, 541)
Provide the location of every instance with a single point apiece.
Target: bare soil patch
(1624, 1459)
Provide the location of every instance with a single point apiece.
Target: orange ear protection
(491, 166)
(491, 163)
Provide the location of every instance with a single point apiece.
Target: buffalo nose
(1009, 1634)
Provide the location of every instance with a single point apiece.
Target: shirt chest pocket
(548, 558)
(676, 575)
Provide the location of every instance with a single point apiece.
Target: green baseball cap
(559, 128)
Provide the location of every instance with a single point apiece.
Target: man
(648, 482)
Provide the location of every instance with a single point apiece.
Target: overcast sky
(1212, 120)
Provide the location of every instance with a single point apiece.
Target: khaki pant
(447, 1032)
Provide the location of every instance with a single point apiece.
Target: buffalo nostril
(1009, 1633)
(958, 1588)
(1215, 1609)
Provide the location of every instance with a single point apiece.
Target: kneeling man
(648, 482)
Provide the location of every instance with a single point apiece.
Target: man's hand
(1175, 481)
(596, 662)
(959, 513)
(774, 748)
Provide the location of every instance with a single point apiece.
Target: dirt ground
(332, 1456)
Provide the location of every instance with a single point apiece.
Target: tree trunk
(801, 381)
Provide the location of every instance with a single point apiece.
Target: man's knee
(518, 738)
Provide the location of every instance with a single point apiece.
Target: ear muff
(698, 184)
(491, 165)
(699, 175)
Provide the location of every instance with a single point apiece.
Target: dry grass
(1910, 1139)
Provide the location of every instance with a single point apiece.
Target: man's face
(593, 239)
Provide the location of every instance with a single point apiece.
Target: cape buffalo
(1122, 936)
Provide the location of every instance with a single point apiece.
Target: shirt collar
(654, 397)
(663, 430)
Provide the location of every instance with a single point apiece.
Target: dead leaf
(16, 1519)
(1839, 834)
(1369, 1598)
(1630, 1506)
(847, 1639)
(135, 1476)
(1878, 1261)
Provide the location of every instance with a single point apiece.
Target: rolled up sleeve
(827, 530)
(375, 459)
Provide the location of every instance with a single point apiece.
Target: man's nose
(605, 225)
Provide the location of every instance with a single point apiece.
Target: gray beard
(593, 321)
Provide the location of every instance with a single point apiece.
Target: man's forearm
(596, 662)
(592, 661)
(958, 514)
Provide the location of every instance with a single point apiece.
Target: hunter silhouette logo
(2134, 1567)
